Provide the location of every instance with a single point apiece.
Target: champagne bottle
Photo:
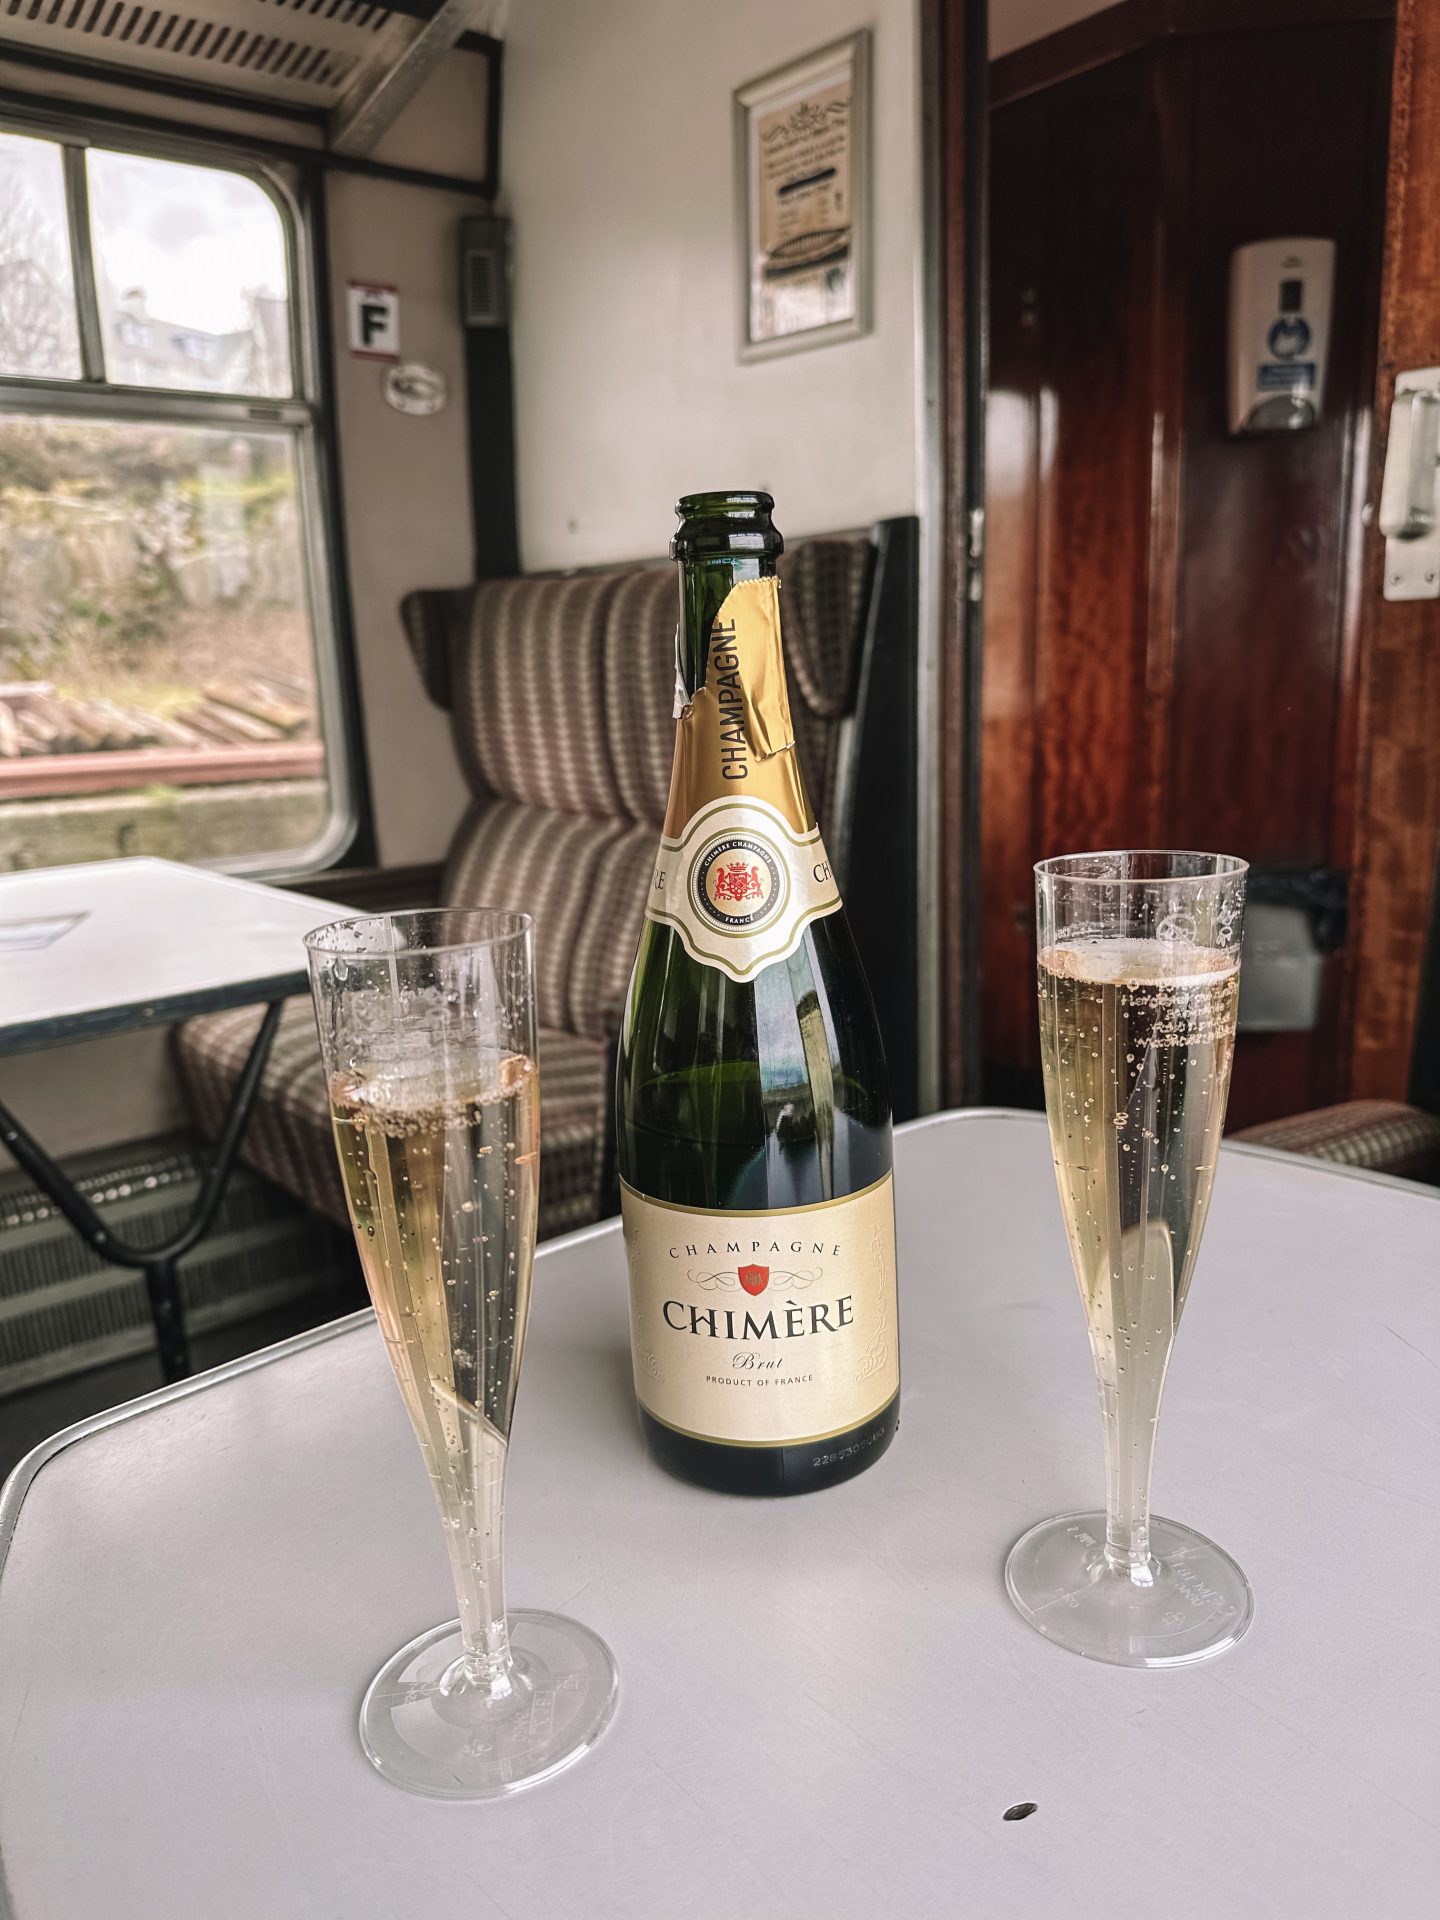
(752, 1107)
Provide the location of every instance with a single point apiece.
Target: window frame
(305, 415)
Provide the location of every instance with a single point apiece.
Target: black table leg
(159, 1265)
(167, 1313)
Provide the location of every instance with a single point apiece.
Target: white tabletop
(114, 944)
(827, 1704)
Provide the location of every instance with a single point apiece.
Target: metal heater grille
(63, 1310)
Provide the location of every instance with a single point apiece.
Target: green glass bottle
(752, 1107)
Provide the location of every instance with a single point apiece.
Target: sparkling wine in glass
(1139, 976)
(427, 1031)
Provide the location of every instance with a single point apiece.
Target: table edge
(1249, 1149)
(36, 1036)
(26, 1470)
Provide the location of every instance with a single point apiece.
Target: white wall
(618, 172)
(1014, 23)
(406, 483)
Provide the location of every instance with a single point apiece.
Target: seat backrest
(562, 692)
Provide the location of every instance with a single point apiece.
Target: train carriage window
(168, 671)
(191, 277)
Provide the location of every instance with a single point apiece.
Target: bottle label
(742, 870)
(766, 1329)
(740, 886)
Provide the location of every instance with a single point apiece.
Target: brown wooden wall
(1172, 614)
(1397, 815)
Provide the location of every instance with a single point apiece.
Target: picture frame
(802, 187)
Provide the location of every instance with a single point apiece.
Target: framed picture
(802, 166)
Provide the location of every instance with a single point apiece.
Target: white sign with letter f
(373, 312)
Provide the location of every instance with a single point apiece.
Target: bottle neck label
(742, 870)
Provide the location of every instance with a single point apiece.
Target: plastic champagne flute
(427, 1032)
(1139, 973)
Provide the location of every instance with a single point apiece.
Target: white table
(114, 944)
(827, 1704)
(140, 943)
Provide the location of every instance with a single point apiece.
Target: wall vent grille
(485, 271)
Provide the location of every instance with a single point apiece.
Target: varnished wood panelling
(955, 41)
(1179, 607)
(1113, 31)
(1398, 810)
(1261, 598)
(1093, 577)
(1014, 429)
(1071, 717)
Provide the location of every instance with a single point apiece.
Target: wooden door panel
(1172, 614)
(1261, 604)
(1398, 809)
(1067, 716)
(1093, 575)
(1012, 506)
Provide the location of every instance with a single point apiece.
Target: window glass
(190, 275)
(39, 334)
(157, 661)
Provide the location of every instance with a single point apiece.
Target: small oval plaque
(412, 387)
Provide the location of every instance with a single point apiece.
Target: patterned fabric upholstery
(289, 1135)
(429, 620)
(1383, 1136)
(562, 695)
(547, 864)
(529, 695)
(609, 933)
(640, 689)
(584, 882)
(827, 585)
(288, 1138)
(562, 687)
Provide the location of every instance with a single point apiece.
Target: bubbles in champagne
(442, 1182)
(1137, 1038)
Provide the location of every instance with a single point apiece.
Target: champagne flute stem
(473, 1507)
(1141, 1317)
(1129, 1420)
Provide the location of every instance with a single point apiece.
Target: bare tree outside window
(38, 333)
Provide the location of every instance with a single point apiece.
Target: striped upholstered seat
(561, 689)
(1380, 1136)
(289, 1137)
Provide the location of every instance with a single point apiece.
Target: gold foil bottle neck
(735, 740)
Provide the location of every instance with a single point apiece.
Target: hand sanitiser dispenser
(1280, 294)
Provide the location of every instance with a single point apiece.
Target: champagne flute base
(455, 1744)
(1196, 1604)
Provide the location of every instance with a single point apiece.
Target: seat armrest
(1381, 1136)
(434, 620)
